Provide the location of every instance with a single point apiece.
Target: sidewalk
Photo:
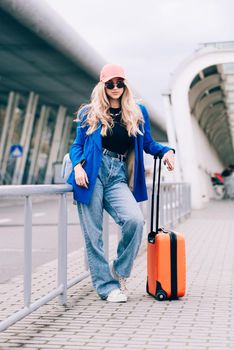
(204, 319)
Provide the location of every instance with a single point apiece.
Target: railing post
(181, 201)
(165, 205)
(62, 248)
(171, 207)
(27, 251)
(161, 206)
(168, 207)
(177, 203)
(149, 202)
(185, 204)
(189, 199)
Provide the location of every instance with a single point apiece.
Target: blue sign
(16, 151)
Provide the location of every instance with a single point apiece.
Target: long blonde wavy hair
(97, 110)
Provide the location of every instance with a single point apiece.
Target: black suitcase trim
(174, 277)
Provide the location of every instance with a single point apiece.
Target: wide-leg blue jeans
(111, 193)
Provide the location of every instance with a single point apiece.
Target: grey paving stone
(203, 319)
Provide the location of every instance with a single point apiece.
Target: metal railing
(174, 205)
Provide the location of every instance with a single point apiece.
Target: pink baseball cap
(110, 71)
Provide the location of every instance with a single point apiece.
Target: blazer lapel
(97, 138)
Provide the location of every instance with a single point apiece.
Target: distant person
(226, 172)
(231, 167)
(107, 157)
(228, 176)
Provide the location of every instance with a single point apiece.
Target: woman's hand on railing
(81, 177)
(168, 160)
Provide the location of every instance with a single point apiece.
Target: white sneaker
(122, 280)
(116, 296)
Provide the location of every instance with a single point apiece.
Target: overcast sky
(149, 38)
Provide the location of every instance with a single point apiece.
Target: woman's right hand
(81, 177)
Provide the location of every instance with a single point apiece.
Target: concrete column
(8, 131)
(6, 124)
(172, 138)
(55, 144)
(38, 135)
(25, 138)
(41, 140)
(65, 138)
(187, 146)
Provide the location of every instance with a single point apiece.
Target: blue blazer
(89, 148)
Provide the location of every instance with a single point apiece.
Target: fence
(174, 205)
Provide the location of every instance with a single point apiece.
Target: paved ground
(45, 233)
(204, 319)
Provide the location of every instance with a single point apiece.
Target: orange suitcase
(166, 266)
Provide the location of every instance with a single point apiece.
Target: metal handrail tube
(62, 247)
(174, 195)
(31, 190)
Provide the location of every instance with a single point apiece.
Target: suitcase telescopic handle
(158, 192)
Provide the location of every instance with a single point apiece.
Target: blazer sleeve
(76, 151)
(149, 144)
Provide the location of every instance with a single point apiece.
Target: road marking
(37, 215)
(3, 221)
(20, 250)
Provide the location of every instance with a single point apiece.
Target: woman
(107, 157)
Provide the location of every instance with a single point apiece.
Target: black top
(117, 140)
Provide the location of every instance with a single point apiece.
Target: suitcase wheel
(147, 287)
(161, 295)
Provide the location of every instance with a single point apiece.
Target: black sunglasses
(110, 85)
